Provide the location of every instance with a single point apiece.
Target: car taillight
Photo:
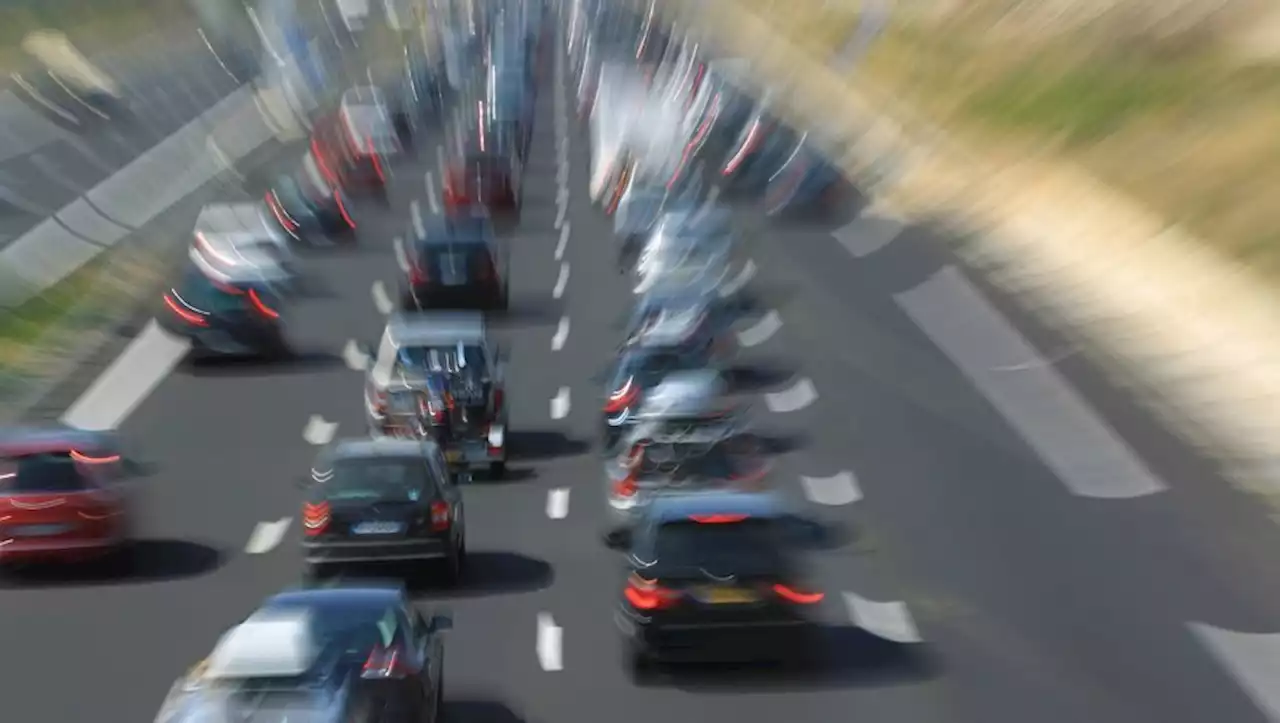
(261, 307)
(384, 663)
(418, 275)
(440, 517)
(622, 398)
(377, 400)
(649, 595)
(626, 487)
(185, 314)
(498, 398)
(315, 518)
(796, 596)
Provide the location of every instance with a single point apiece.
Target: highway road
(1032, 545)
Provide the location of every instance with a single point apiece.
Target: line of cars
(712, 570)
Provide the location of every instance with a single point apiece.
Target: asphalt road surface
(1036, 548)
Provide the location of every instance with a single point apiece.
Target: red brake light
(262, 308)
(795, 596)
(186, 315)
(498, 398)
(273, 202)
(440, 516)
(623, 398)
(342, 209)
(377, 162)
(717, 519)
(315, 518)
(648, 595)
(87, 459)
(318, 154)
(385, 663)
(377, 400)
(418, 275)
(626, 487)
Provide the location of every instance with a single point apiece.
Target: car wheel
(497, 470)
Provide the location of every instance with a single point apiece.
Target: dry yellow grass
(1175, 102)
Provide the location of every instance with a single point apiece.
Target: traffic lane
(1007, 543)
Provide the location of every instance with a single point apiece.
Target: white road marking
(381, 299)
(139, 369)
(550, 638)
(560, 404)
(217, 57)
(1068, 435)
(743, 278)
(1252, 659)
(355, 359)
(792, 399)
(432, 198)
(319, 432)
(869, 233)
(564, 240)
(76, 96)
(838, 489)
(759, 332)
(402, 259)
(266, 536)
(561, 335)
(562, 172)
(415, 213)
(440, 160)
(48, 104)
(562, 206)
(558, 503)
(888, 620)
(561, 281)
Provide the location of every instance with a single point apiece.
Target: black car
(356, 654)
(712, 576)
(307, 206)
(384, 500)
(454, 265)
(231, 316)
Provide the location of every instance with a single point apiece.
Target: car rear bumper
(340, 552)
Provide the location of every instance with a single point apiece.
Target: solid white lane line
(561, 281)
(381, 299)
(560, 404)
(1068, 435)
(759, 332)
(564, 240)
(415, 213)
(558, 503)
(743, 278)
(402, 260)
(319, 432)
(868, 233)
(355, 359)
(550, 639)
(1252, 660)
(432, 199)
(266, 536)
(139, 369)
(838, 489)
(792, 399)
(561, 335)
(888, 620)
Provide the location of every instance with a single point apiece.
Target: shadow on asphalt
(478, 711)
(526, 445)
(150, 560)
(487, 573)
(300, 363)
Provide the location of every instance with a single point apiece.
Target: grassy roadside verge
(1171, 114)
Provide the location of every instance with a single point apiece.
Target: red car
(60, 497)
(352, 149)
(484, 180)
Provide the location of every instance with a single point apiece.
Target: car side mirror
(440, 623)
(619, 539)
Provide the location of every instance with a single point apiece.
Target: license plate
(377, 528)
(38, 530)
(727, 596)
(453, 455)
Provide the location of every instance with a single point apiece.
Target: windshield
(47, 473)
(372, 480)
(753, 545)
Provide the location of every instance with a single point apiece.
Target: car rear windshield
(752, 546)
(455, 264)
(446, 359)
(373, 480)
(49, 472)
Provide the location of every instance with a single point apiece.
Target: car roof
(370, 593)
(271, 643)
(437, 328)
(683, 393)
(673, 506)
(235, 223)
(376, 448)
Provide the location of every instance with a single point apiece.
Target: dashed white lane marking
(266, 536)
(432, 199)
(550, 639)
(131, 377)
(561, 281)
(1068, 435)
(888, 620)
(354, 358)
(562, 206)
(381, 299)
(561, 335)
(402, 260)
(743, 278)
(1252, 659)
(415, 213)
(558, 503)
(868, 233)
(319, 432)
(792, 399)
(440, 160)
(759, 332)
(564, 240)
(838, 489)
(560, 404)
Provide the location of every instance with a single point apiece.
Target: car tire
(497, 470)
